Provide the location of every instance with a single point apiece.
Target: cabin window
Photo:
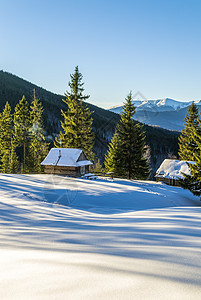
(82, 170)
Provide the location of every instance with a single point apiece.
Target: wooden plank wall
(70, 171)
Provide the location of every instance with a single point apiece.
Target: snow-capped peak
(165, 104)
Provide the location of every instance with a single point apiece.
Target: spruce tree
(6, 140)
(187, 143)
(38, 148)
(127, 138)
(126, 155)
(5, 162)
(141, 167)
(14, 163)
(22, 130)
(112, 158)
(192, 182)
(87, 132)
(77, 125)
(5, 137)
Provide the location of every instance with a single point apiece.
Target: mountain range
(166, 113)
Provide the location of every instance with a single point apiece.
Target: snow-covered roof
(173, 169)
(67, 157)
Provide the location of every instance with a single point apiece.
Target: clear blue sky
(149, 46)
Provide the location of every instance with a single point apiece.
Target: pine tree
(112, 158)
(38, 148)
(127, 138)
(14, 163)
(5, 162)
(22, 130)
(193, 181)
(126, 155)
(141, 169)
(187, 143)
(6, 137)
(87, 132)
(77, 125)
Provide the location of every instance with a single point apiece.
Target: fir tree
(5, 162)
(132, 144)
(127, 138)
(77, 125)
(141, 169)
(87, 132)
(38, 148)
(6, 136)
(126, 155)
(14, 163)
(112, 158)
(22, 130)
(187, 143)
(193, 181)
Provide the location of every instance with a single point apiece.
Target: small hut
(170, 171)
(66, 161)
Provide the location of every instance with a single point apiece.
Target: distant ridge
(166, 113)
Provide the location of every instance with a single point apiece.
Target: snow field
(111, 240)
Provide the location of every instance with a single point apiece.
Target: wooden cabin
(66, 161)
(170, 171)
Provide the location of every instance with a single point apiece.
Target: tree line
(22, 141)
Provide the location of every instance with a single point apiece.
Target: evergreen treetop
(38, 148)
(112, 159)
(76, 86)
(127, 137)
(126, 154)
(36, 112)
(22, 124)
(8, 157)
(77, 125)
(6, 128)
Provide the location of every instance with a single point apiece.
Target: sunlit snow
(63, 238)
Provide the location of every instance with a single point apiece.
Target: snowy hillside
(157, 105)
(166, 113)
(111, 240)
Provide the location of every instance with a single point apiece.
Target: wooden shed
(171, 170)
(66, 161)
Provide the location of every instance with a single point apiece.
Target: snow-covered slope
(166, 113)
(157, 105)
(114, 240)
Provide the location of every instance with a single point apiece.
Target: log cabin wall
(70, 171)
(173, 182)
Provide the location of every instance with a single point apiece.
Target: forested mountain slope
(162, 142)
